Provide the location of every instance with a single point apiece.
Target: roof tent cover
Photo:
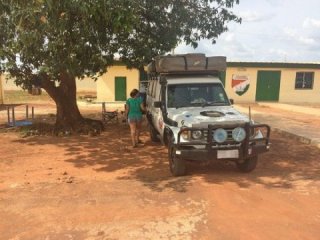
(187, 62)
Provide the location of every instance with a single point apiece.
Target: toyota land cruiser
(188, 110)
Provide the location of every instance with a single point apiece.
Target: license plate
(228, 154)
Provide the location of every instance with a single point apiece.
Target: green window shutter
(120, 88)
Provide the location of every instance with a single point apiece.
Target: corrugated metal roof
(313, 65)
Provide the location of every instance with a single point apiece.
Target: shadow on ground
(288, 162)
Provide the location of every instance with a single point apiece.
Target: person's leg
(138, 129)
(133, 129)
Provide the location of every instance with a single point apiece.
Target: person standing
(134, 108)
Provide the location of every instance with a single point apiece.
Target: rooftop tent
(186, 63)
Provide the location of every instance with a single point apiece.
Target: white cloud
(300, 36)
(290, 32)
(269, 32)
(253, 16)
(307, 40)
(229, 37)
(278, 52)
(311, 23)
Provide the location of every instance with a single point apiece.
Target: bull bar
(249, 147)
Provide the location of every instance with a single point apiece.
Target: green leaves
(82, 37)
(163, 24)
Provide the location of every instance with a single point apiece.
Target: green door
(268, 86)
(120, 88)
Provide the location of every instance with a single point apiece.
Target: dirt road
(97, 188)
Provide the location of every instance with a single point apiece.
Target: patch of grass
(21, 96)
(13, 97)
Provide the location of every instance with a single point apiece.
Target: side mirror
(231, 101)
(157, 104)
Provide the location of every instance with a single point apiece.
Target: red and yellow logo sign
(240, 84)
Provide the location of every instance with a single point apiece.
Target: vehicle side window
(159, 91)
(151, 87)
(154, 89)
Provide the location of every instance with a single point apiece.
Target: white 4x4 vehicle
(189, 111)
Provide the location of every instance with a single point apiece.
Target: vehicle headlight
(238, 134)
(185, 135)
(196, 135)
(220, 135)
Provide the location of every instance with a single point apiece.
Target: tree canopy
(43, 41)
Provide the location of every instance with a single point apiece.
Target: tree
(52, 42)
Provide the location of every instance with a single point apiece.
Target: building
(245, 82)
(274, 82)
(116, 84)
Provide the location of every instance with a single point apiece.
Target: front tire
(177, 165)
(248, 165)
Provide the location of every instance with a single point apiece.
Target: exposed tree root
(87, 127)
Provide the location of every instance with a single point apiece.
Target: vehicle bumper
(217, 154)
(211, 151)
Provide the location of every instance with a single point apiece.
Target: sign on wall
(240, 83)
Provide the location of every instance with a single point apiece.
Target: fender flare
(167, 133)
(149, 117)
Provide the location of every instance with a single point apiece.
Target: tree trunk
(68, 116)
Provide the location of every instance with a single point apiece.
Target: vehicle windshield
(192, 95)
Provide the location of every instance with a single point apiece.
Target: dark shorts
(134, 119)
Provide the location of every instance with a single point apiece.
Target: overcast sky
(271, 31)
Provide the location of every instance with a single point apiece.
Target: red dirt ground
(83, 187)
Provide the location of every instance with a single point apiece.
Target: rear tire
(248, 165)
(177, 165)
(153, 134)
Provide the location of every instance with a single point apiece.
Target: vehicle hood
(202, 117)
